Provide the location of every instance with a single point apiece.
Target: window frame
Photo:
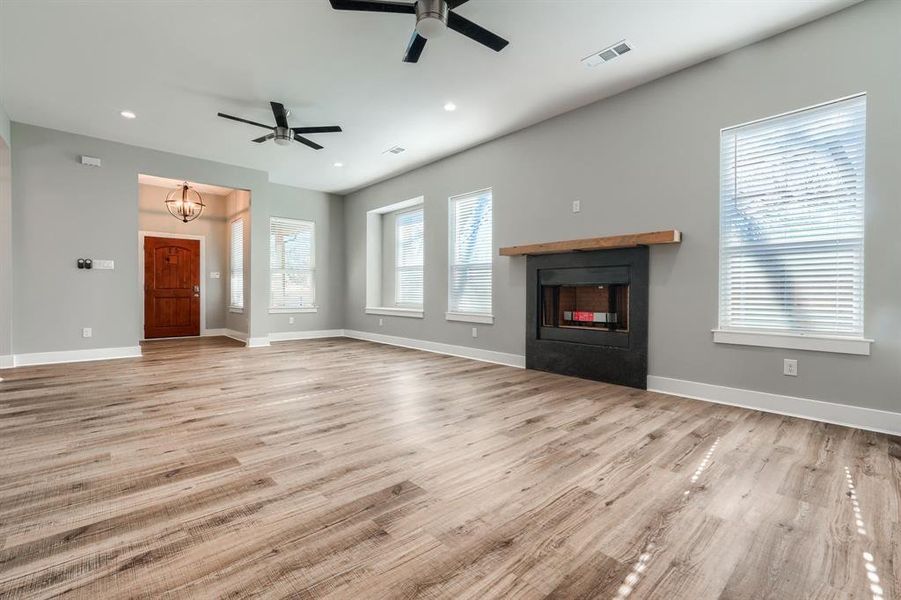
(458, 315)
(826, 341)
(313, 306)
(232, 307)
(397, 251)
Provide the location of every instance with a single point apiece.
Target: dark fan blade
(475, 32)
(281, 116)
(307, 142)
(388, 7)
(330, 129)
(240, 120)
(452, 4)
(414, 48)
(264, 138)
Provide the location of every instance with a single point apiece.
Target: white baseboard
(7, 361)
(282, 336)
(491, 356)
(816, 410)
(230, 333)
(257, 342)
(67, 356)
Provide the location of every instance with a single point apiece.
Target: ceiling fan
(281, 133)
(432, 17)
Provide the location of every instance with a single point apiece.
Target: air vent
(607, 54)
(394, 150)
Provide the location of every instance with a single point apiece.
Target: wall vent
(607, 54)
(394, 150)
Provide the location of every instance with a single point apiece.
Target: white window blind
(469, 285)
(291, 264)
(408, 258)
(792, 222)
(236, 265)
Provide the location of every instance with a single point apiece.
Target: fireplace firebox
(588, 315)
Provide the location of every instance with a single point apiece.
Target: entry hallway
(344, 469)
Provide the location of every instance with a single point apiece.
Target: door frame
(177, 236)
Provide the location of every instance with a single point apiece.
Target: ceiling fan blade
(452, 4)
(240, 120)
(330, 129)
(264, 138)
(414, 48)
(281, 115)
(365, 5)
(475, 32)
(307, 142)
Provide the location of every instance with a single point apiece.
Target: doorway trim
(177, 236)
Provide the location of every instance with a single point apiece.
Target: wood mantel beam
(630, 240)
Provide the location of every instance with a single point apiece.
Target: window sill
(388, 311)
(470, 317)
(306, 309)
(234, 309)
(794, 341)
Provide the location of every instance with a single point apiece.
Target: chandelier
(185, 203)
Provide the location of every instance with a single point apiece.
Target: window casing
(408, 258)
(292, 269)
(236, 266)
(792, 224)
(470, 264)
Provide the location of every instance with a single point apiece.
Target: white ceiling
(75, 65)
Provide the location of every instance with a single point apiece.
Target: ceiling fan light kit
(432, 18)
(281, 133)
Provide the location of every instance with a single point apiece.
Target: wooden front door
(171, 287)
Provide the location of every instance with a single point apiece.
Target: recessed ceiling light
(128, 114)
(338, 164)
(450, 107)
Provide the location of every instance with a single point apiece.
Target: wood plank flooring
(345, 469)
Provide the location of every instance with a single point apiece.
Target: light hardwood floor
(345, 469)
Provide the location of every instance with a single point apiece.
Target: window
(236, 266)
(792, 224)
(408, 258)
(292, 282)
(469, 281)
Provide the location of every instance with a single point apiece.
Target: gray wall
(6, 248)
(153, 217)
(648, 159)
(63, 210)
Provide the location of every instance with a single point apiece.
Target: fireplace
(588, 314)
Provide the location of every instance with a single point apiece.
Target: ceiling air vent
(394, 150)
(607, 54)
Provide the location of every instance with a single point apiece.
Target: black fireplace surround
(587, 315)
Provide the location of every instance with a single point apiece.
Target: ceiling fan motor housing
(431, 17)
(283, 136)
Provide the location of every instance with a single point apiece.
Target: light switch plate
(100, 263)
(577, 206)
(214, 274)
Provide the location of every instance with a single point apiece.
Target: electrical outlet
(290, 320)
(475, 332)
(577, 206)
(381, 322)
(86, 332)
(790, 367)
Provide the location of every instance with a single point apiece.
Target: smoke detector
(607, 54)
